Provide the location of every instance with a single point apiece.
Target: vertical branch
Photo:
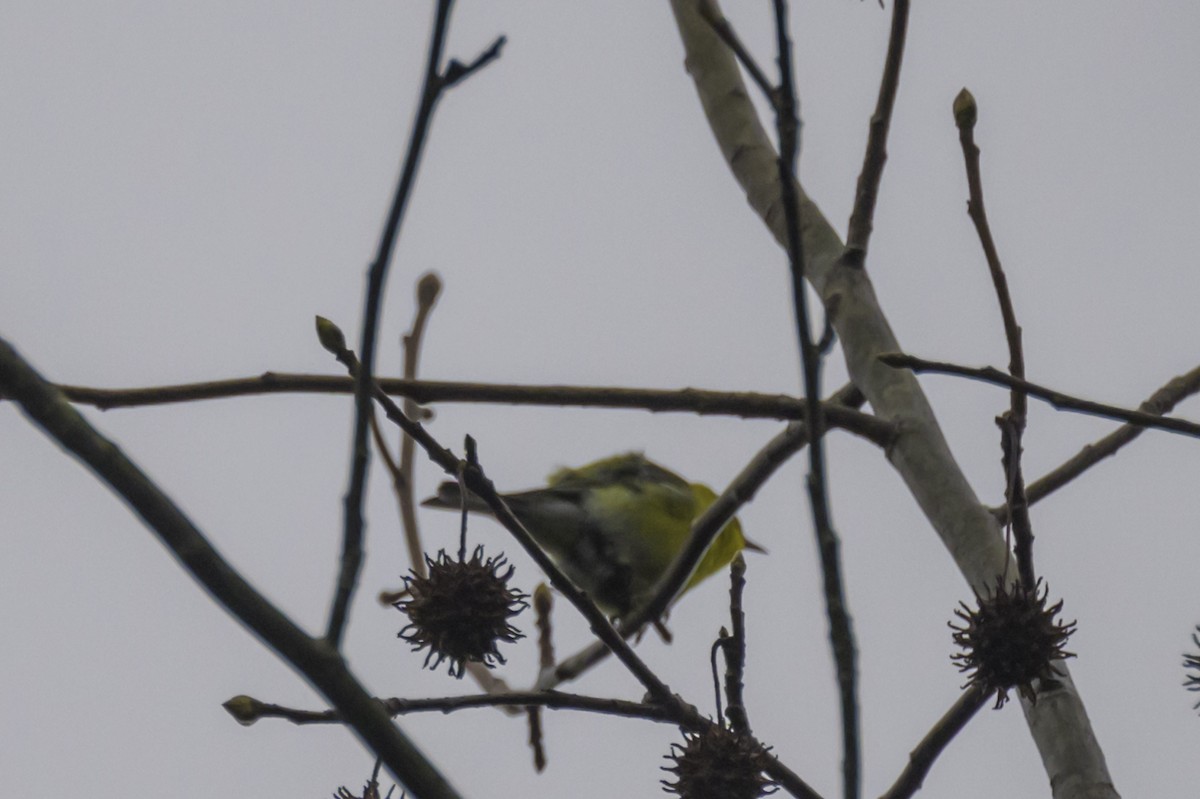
(966, 113)
(352, 534)
(428, 289)
(717, 646)
(543, 603)
(401, 469)
(862, 217)
(1012, 424)
(841, 632)
(735, 650)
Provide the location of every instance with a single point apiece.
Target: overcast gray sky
(183, 186)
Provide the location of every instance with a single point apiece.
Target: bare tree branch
(1012, 424)
(841, 627)
(315, 659)
(249, 710)
(1063, 402)
(1059, 725)
(435, 84)
(745, 404)
(1162, 401)
(921, 759)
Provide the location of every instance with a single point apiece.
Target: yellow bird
(614, 526)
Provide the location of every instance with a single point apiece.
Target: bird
(613, 526)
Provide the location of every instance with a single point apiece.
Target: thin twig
(486, 679)
(428, 288)
(536, 742)
(320, 664)
(1011, 429)
(352, 533)
(722, 27)
(543, 603)
(375, 777)
(789, 780)
(435, 83)
(392, 466)
(966, 113)
(401, 470)
(252, 710)
(713, 650)
(922, 758)
(1062, 402)
(734, 647)
(1012, 424)
(1161, 401)
(841, 630)
(334, 341)
(862, 217)
(744, 404)
(456, 71)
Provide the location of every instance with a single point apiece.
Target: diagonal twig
(724, 29)
(858, 234)
(1012, 424)
(1160, 402)
(1063, 402)
(474, 480)
(921, 759)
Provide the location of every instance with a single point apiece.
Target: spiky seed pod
(460, 612)
(718, 764)
(1191, 663)
(1010, 640)
(370, 791)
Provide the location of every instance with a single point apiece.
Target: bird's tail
(449, 496)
